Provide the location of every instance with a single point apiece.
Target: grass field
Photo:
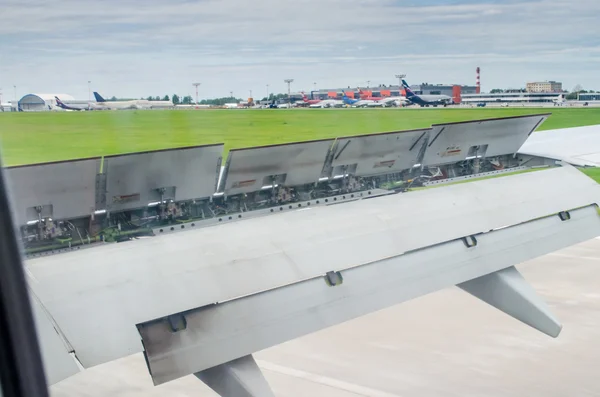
(593, 173)
(49, 136)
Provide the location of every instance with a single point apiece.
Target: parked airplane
(389, 101)
(559, 101)
(102, 103)
(426, 100)
(385, 100)
(379, 102)
(370, 101)
(285, 105)
(396, 101)
(310, 101)
(365, 95)
(359, 103)
(161, 104)
(328, 103)
(72, 106)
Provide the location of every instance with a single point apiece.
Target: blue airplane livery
(426, 100)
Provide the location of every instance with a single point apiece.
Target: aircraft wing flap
(213, 335)
(97, 296)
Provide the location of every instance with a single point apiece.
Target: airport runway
(445, 344)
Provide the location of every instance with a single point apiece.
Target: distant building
(590, 96)
(383, 91)
(442, 89)
(7, 107)
(544, 86)
(41, 102)
(354, 92)
(511, 97)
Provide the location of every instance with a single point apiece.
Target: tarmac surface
(444, 344)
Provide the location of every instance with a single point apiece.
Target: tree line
(274, 97)
(176, 99)
(189, 100)
(220, 101)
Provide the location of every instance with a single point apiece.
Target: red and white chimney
(478, 81)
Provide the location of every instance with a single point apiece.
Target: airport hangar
(41, 102)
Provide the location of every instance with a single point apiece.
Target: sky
(133, 48)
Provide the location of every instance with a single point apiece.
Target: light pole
(400, 77)
(231, 94)
(289, 81)
(89, 90)
(196, 85)
(15, 87)
(368, 83)
(267, 92)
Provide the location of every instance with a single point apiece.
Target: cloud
(131, 48)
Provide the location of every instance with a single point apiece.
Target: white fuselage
(383, 102)
(435, 99)
(134, 104)
(161, 104)
(328, 103)
(121, 105)
(364, 103)
(395, 101)
(559, 101)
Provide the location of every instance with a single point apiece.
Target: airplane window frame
(21, 368)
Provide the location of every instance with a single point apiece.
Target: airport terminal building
(391, 90)
(590, 96)
(544, 86)
(510, 97)
(354, 92)
(442, 89)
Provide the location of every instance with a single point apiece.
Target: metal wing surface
(97, 296)
(249, 169)
(579, 146)
(453, 142)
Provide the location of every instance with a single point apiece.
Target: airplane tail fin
(409, 92)
(58, 101)
(99, 97)
(347, 100)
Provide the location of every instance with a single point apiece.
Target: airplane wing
(578, 146)
(270, 275)
(201, 300)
